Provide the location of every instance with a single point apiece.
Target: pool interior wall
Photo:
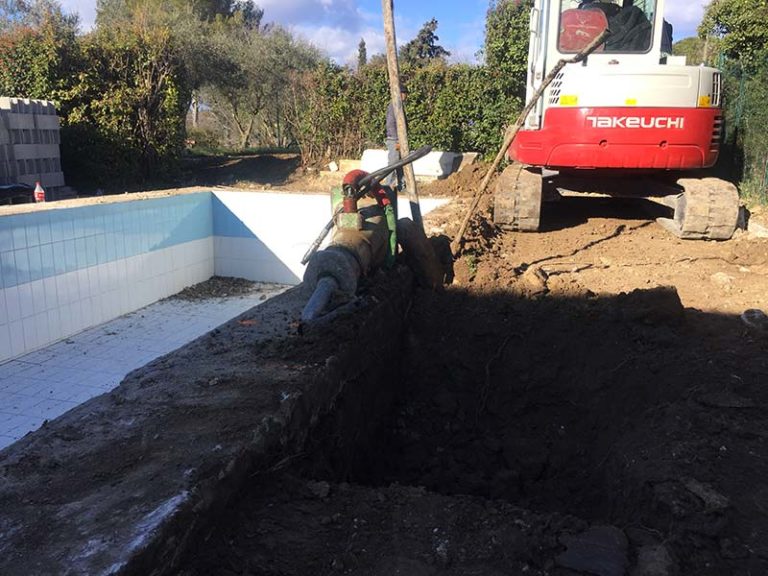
(64, 270)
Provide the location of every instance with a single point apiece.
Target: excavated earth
(586, 400)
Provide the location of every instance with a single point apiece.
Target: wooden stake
(512, 131)
(394, 89)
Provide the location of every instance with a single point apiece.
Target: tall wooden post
(397, 103)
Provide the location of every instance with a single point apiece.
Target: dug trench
(587, 435)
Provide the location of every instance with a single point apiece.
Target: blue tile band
(52, 242)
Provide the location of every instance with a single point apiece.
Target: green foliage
(746, 139)
(124, 90)
(362, 54)
(457, 107)
(111, 13)
(423, 49)
(323, 106)
(741, 25)
(506, 44)
(246, 86)
(696, 50)
(126, 106)
(736, 35)
(34, 62)
(203, 141)
(35, 14)
(448, 107)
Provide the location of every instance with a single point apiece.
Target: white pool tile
(46, 383)
(5, 337)
(27, 300)
(51, 294)
(38, 296)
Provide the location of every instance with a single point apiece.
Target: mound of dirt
(463, 184)
(287, 525)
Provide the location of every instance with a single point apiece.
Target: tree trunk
(195, 111)
(245, 134)
(393, 69)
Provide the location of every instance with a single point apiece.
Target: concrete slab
(121, 484)
(41, 386)
(434, 165)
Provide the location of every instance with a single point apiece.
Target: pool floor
(47, 383)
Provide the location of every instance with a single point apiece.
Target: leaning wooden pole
(512, 131)
(394, 89)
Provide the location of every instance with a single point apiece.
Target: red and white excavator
(631, 120)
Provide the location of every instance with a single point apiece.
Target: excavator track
(708, 209)
(517, 199)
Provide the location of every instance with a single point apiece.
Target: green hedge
(746, 112)
(457, 108)
(122, 97)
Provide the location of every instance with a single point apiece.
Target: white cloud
(684, 17)
(469, 42)
(343, 14)
(339, 36)
(339, 43)
(85, 8)
(334, 26)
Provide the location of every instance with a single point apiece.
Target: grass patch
(754, 191)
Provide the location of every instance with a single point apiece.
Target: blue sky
(336, 26)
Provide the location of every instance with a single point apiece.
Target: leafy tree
(735, 35)
(362, 54)
(126, 107)
(247, 14)
(246, 88)
(378, 61)
(506, 44)
(36, 52)
(324, 111)
(695, 50)
(424, 48)
(741, 26)
(33, 14)
(119, 12)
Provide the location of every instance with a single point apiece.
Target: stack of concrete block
(29, 144)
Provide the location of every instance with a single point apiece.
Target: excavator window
(629, 21)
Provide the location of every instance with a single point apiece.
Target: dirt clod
(601, 550)
(655, 560)
(221, 287)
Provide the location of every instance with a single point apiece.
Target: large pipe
(351, 254)
(324, 290)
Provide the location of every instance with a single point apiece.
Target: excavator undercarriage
(703, 208)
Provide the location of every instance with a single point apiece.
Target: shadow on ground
(626, 411)
(573, 211)
(260, 169)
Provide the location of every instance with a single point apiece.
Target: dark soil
(255, 169)
(628, 411)
(222, 287)
(593, 383)
(286, 525)
(463, 184)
